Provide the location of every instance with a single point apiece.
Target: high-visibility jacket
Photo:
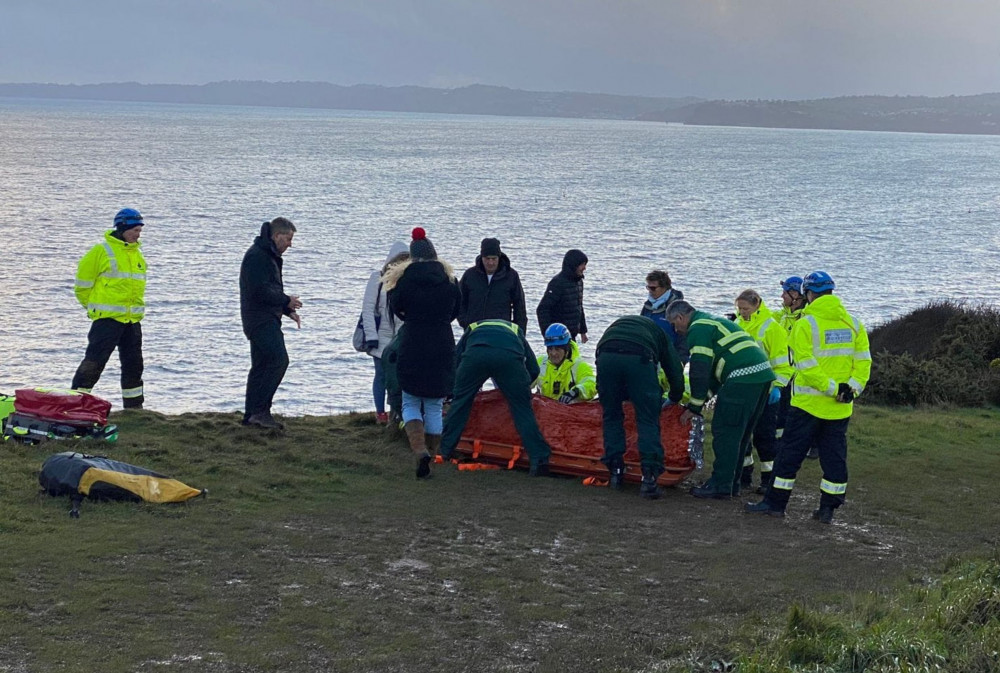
(786, 317)
(571, 373)
(773, 339)
(829, 346)
(111, 280)
(721, 351)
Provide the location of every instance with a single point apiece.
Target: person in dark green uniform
(727, 360)
(628, 356)
(497, 349)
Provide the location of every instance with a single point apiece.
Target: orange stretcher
(575, 435)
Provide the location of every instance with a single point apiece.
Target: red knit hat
(421, 247)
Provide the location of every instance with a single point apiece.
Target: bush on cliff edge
(945, 352)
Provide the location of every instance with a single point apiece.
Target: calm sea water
(897, 219)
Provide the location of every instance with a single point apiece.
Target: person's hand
(774, 396)
(583, 338)
(667, 403)
(687, 416)
(845, 393)
(293, 303)
(371, 345)
(569, 396)
(295, 316)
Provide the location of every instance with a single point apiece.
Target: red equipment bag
(64, 406)
(575, 434)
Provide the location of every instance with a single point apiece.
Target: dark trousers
(737, 409)
(105, 335)
(627, 376)
(763, 438)
(268, 362)
(506, 368)
(830, 437)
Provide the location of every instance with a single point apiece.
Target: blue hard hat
(818, 281)
(792, 284)
(557, 334)
(128, 218)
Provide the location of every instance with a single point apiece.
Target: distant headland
(979, 114)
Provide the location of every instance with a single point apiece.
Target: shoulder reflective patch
(838, 336)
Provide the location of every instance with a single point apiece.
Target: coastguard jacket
(572, 372)
(773, 338)
(500, 335)
(111, 280)
(829, 347)
(786, 317)
(721, 352)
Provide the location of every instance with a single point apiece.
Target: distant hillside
(952, 114)
(476, 99)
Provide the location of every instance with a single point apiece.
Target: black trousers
(268, 362)
(107, 334)
(763, 437)
(802, 431)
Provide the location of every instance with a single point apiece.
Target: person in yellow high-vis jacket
(829, 349)
(564, 375)
(111, 285)
(755, 318)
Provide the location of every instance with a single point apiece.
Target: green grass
(317, 550)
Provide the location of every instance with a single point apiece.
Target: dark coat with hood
(502, 297)
(425, 295)
(262, 293)
(563, 298)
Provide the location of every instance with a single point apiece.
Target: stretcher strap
(594, 481)
(514, 455)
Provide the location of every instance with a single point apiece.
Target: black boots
(763, 507)
(824, 514)
(706, 490)
(616, 480)
(538, 468)
(648, 489)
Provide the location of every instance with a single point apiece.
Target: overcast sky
(706, 48)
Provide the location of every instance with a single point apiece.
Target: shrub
(941, 353)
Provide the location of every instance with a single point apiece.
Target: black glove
(371, 345)
(569, 396)
(845, 393)
(731, 316)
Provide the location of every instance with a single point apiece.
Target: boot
(763, 507)
(824, 514)
(617, 479)
(649, 489)
(433, 444)
(418, 444)
(766, 479)
(538, 468)
(706, 490)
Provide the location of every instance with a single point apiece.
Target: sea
(898, 219)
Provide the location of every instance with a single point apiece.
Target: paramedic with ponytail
(111, 285)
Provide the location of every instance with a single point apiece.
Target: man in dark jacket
(262, 303)
(492, 289)
(497, 349)
(628, 355)
(563, 298)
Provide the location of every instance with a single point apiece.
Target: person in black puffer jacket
(424, 294)
(563, 298)
(492, 289)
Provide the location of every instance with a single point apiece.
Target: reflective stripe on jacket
(111, 280)
(773, 339)
(829, 347)
(573, 372)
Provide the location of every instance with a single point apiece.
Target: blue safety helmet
(127, 218)
(817, 281)
(557, 334)
(792, 284)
